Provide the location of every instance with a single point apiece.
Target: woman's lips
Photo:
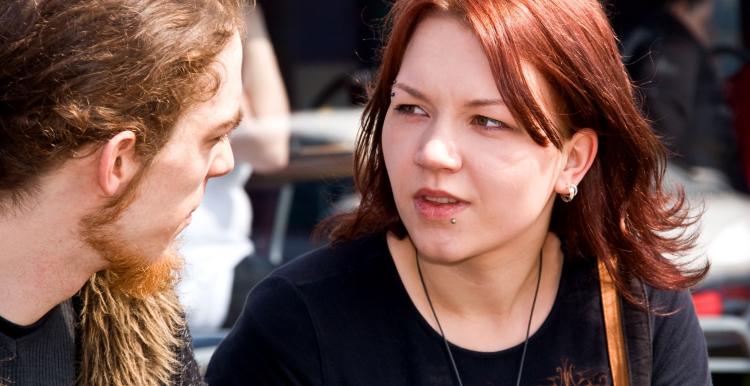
(437, 205)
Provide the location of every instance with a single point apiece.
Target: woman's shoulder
(273, 338)
(278, 333)
(668, 301)
(335, 260)
(671, 322)
(672, 313)
(676, 333)
(333, 273)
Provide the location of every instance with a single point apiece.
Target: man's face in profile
(138, 235)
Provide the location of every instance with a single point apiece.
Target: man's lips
(189, 216)
(437, 204)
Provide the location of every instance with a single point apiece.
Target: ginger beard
(130, 272)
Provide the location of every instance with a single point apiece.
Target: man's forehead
(222, 110)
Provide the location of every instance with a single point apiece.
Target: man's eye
(221, 138)
(410, 110)
(488, 123)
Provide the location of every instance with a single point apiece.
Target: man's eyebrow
(230, 124)
(472, 103)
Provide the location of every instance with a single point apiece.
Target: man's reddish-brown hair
(622, 215)
(76, 72)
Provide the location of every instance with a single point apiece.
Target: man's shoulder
(42, 353)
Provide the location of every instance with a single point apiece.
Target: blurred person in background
(739, 99)
(512, 223)
(220, 263)
(113, 116)
(666, 48)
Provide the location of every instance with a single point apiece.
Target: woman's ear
(578, 155)
(117, 163)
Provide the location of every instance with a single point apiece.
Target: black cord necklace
(445, 341)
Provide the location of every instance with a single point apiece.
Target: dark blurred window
(316, 42)
(727, 34)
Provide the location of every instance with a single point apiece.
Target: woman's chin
(443, 256)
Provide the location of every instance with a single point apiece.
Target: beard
(135, 274)
(131, 324)
(130, 272)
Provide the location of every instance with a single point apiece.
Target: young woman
(509, 185)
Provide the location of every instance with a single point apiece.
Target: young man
(221, 265)
(113, 116)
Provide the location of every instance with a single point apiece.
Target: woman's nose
(438, 152)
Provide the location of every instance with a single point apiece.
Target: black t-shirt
(341, 316)
(40, 354)
(44, 354)
(16, 331)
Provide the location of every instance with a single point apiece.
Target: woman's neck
(483, 296)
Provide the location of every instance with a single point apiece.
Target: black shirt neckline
(425, 325)
(17, 331)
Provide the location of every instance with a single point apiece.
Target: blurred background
(690, 60)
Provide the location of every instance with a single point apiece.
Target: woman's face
(453, 150)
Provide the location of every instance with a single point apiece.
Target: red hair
(622, 214)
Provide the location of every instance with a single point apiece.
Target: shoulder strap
(638, 336)
(618, 361)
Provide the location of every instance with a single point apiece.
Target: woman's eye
(488, 123)
(410, 109)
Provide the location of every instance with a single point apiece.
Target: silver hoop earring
(572, 191)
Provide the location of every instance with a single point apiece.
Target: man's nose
(223, 162)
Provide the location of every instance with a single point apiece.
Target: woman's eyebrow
(484, 102)
(472, 103)
(411, 91)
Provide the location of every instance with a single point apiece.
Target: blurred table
(334, 125)
(321, 148)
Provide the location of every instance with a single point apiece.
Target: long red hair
(622, 214)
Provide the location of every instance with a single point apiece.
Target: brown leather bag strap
(618, 359)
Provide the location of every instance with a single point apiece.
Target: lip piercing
(453, 221)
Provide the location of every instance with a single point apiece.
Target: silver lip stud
(453, 221)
